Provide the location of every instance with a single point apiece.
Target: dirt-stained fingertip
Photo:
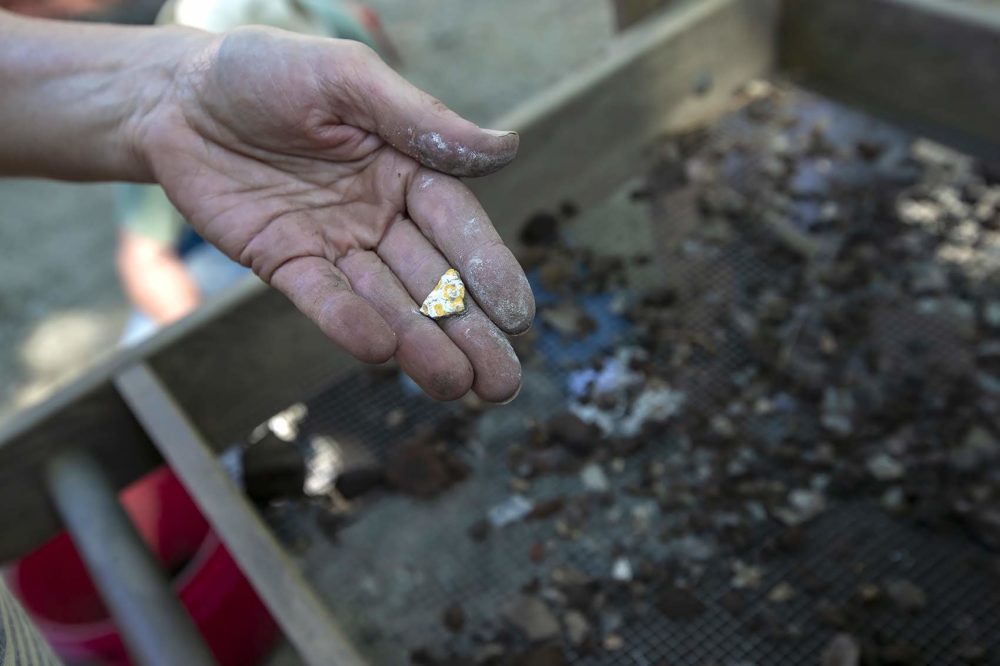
(513, 397)
(499, 392)
(503, 291)
(498, 369)
(521, 318)
(448, 384)
(486, 153)
(362, 332)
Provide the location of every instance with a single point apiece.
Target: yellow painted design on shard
(448, 297)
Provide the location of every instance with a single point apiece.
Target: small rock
(781, 593)
(613, 642)
(918, 213)
(723, 426)
(519, 484)
(656, 404)
(546, 509)
(843, 650)
(692, 548)
(570, 431)
(679, 604)
(353, 483)
(511, 510)
(840, 424)
(869, 150)
(894, 499)
(869, 593)
(577, 628)
(991, 314)
(746, 576)
(803, 506)
(394, 418)
(541, 655)
(928, 278)
(906, 595)
(569, 577)
(808, 502)
(425, 656)
(540, 229)
(532, 618)
(453, 618)
(621, 570)
(569, 320)
(490, 653)
(422, 469)
(978, 447)
(594, 479)
(642, 516)
(838, 407)
(558, 272)
(885, 468)
(959, 314)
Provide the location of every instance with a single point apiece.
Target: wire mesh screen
(760, 429)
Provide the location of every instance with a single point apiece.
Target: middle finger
(425, 353)
(419, 266)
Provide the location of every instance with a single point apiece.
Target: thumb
(420, 126)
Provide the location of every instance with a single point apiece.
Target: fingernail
(513, 397)
(500, 133)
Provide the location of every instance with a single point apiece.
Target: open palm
(312, 162)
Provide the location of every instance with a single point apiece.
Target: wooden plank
(928, 65)
(585, 136)
(248, 362)
(248, 354)
(216, 358)
(305, 619)
(630, 12)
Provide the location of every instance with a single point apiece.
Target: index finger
(450, 216)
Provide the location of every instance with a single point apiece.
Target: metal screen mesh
(398, 562)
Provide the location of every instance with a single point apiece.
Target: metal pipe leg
(155, 626)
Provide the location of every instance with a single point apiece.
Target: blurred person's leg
(210, 271)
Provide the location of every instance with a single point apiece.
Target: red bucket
(54, 587)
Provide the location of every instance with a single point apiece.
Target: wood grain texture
(305, 619)
(928, 65)
(248, 354)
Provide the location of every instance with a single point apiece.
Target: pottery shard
(448, 297)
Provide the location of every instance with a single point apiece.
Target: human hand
(315, 164)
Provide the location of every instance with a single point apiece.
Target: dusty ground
(60, 306)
